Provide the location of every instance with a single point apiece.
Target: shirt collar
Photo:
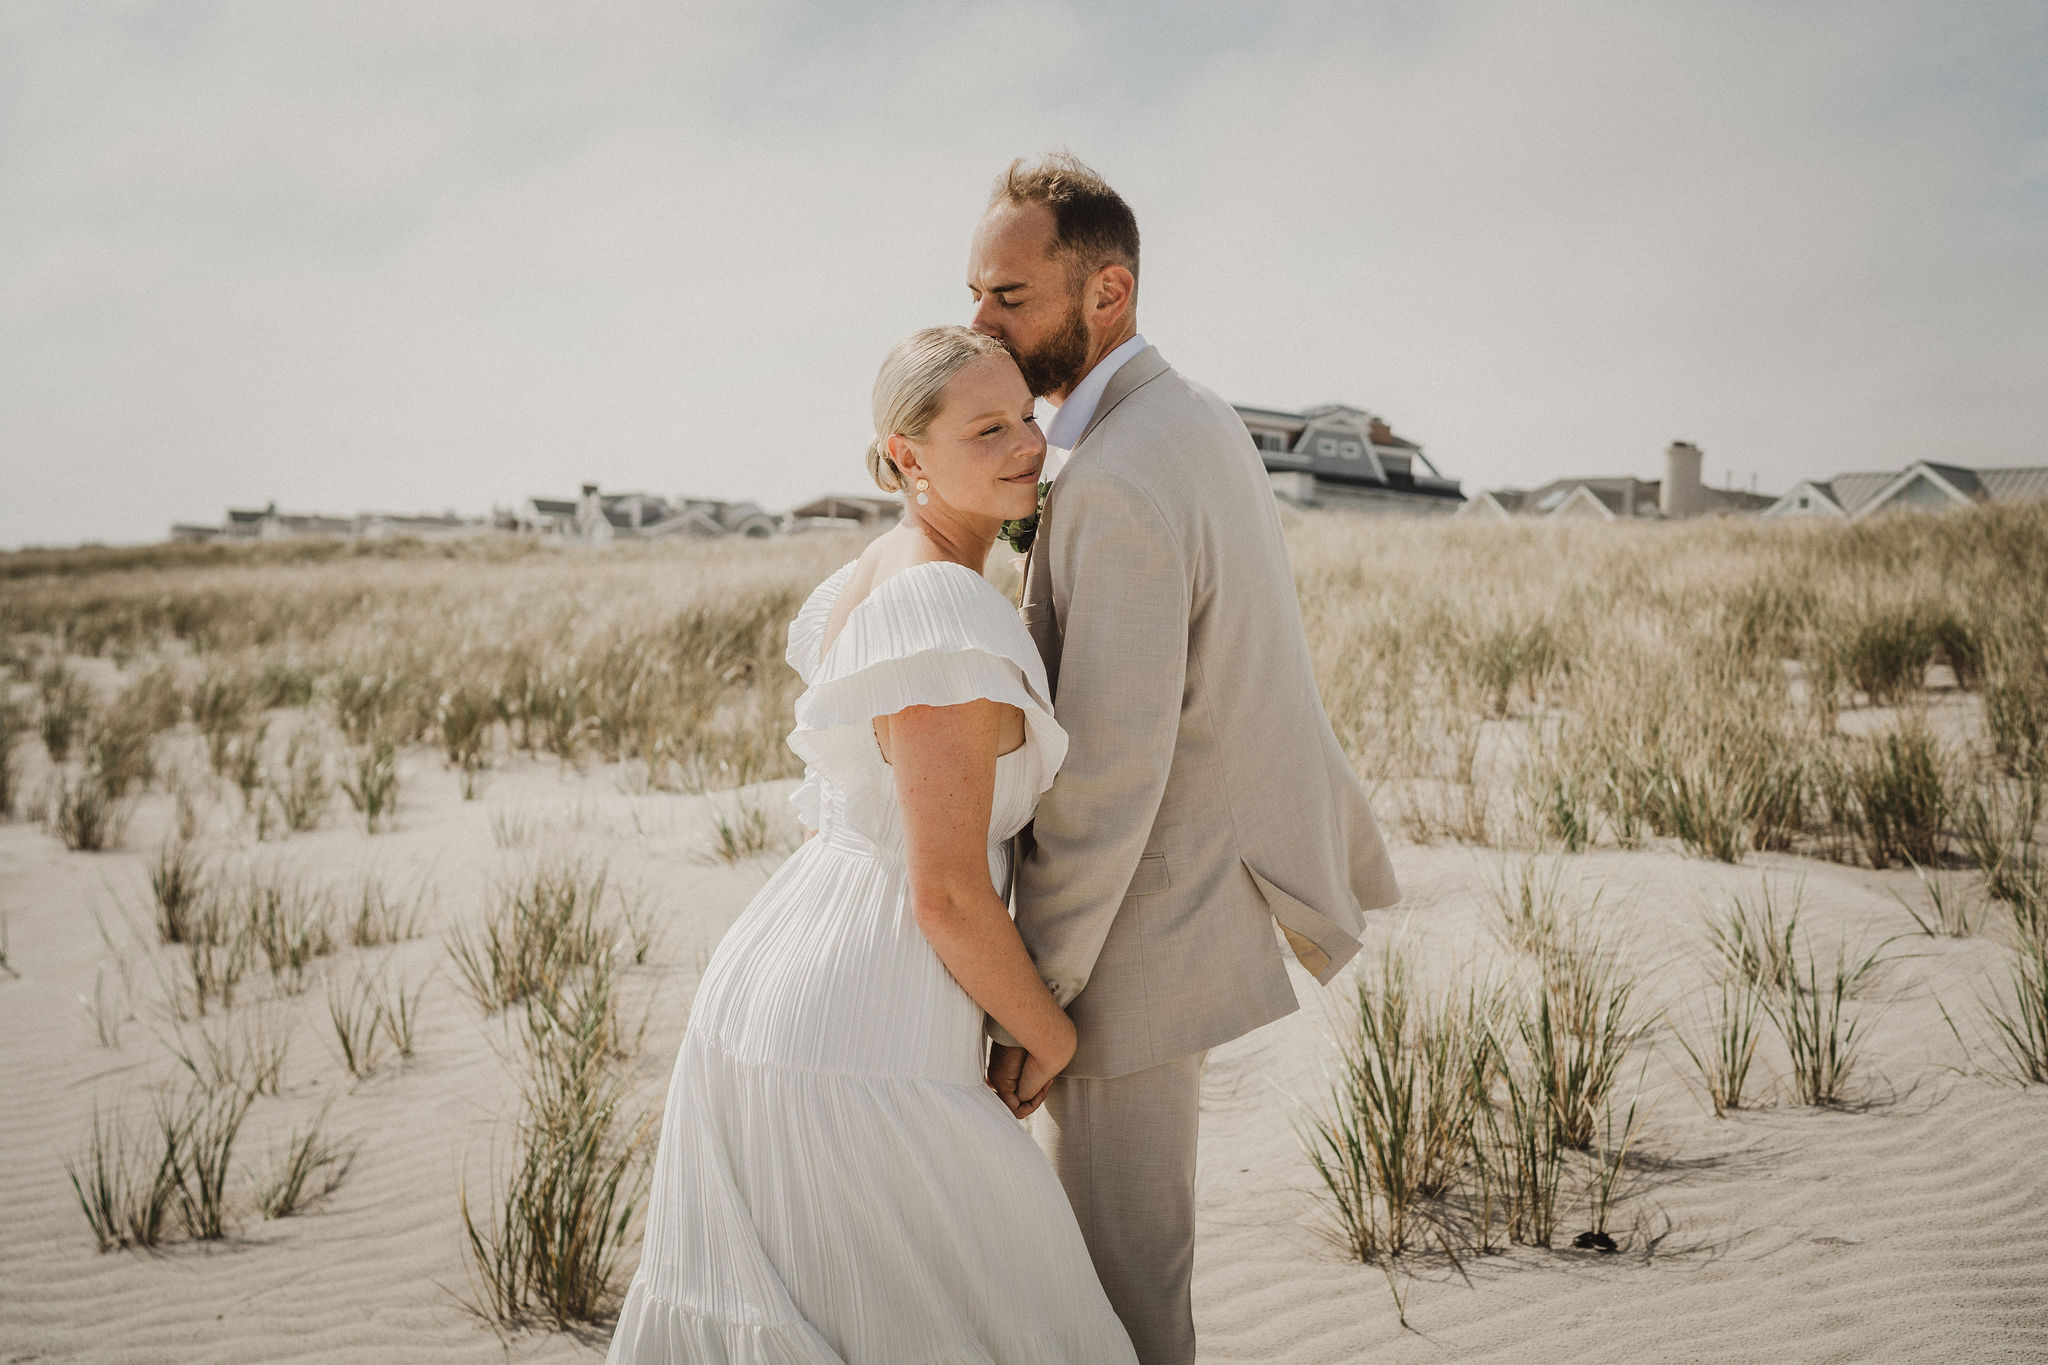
(1074, 415)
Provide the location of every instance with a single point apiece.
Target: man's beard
(1057, 365)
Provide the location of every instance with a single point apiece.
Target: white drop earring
(923, 498)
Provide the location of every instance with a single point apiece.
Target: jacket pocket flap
(1150, 878)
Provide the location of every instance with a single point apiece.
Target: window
(1326, 445)
(1804, 502)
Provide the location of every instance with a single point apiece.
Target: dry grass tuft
(1820, 1032)
(539, 927)
(1722, 1045)
(1398, 1124)
(356, 1012)
(178, 880)
(13, 725)
(130, 1182)
(379, 916)
(311, 1167)
(742, 828)
(551, 1243)
(371, 783)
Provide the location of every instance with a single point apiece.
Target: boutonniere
(1021, 531)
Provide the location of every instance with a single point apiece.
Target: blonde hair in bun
(912, 385)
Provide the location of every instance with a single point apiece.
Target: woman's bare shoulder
(886, 556)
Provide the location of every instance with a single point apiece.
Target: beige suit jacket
(1204, 796)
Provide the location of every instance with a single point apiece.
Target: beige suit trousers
(1124, 1148)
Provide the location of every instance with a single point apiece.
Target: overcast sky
(411, 256)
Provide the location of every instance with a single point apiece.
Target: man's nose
(984, 321)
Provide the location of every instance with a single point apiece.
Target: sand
(1911, 1226)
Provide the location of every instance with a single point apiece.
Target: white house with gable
(1924, 485)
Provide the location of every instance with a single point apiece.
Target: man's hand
(1005, 1066)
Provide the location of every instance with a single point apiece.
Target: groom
(1204, 798)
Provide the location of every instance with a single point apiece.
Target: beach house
(1678, 496)
(1923, 485)
(1345, 457)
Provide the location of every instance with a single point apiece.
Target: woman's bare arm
(945, 765)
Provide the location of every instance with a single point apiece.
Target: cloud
(415, 257)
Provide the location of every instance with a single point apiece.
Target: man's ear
(1110, 292)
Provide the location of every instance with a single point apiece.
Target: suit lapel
(1040, 618)
(1134, 374)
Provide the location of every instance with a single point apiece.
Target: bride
(835, 1182)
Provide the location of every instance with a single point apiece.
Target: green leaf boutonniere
(1021, 531)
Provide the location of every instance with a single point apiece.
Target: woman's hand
(1035, 1080)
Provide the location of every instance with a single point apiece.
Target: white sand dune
(1911, 1227)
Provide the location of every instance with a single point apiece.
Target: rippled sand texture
(1910, 1227)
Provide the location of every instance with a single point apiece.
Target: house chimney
(589, 490)
(1682, 496)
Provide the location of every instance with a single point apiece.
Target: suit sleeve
(1122, 593)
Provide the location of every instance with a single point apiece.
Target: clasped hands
(1021, 1078)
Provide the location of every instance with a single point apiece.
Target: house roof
(863, 506)
(1852, 491)
(419, 518)
(1618, 494)
(695, 521)
(314, 523)
(2029, 481)
(1737, 499)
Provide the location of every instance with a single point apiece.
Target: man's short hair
(1092, 225)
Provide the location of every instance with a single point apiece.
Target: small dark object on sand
(1595, 1241)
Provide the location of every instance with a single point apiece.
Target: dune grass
(561, 912)
(311, 1165)
(1722, 1044)
(2017, 1011)
(549, 1243)
(1874, 694)
(1949, 912)
(178, 880)
(287, 922)
(13, 726)
(370, 781)
(127, 1190)
(743, 827)
(1753, 936)
(356, 1014)
(245, 1053)
(1692, 683)
(131, 1180)
(1819, 1028)
(1397, 1125)
(377, 915)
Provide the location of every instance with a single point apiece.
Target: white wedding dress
(834, 1181)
